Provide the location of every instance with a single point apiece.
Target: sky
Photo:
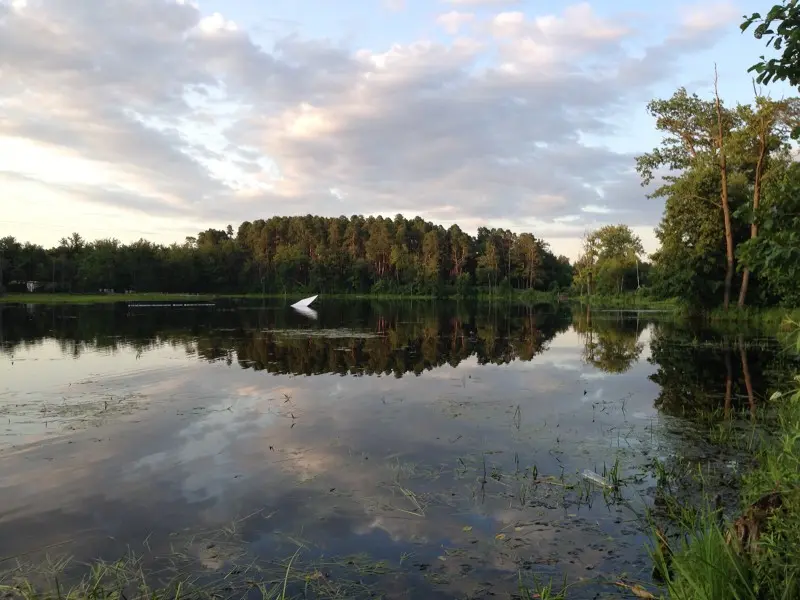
(161, 118)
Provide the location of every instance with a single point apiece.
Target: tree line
(297, 254)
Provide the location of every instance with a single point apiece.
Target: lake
(385, 449)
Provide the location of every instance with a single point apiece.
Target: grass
(538, 590)
(750, 315)
(204, 565)
(130, 579)
(706, 567)
(754, 315)
(35, 298)
(42, 298)
(631, 301)
(39, 298)
(105, 581)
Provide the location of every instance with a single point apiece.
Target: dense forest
(297, 254)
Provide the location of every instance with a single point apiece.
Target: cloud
(483, 3)
(169, 112)
(453, 21)
(709, 17)
(395, 5)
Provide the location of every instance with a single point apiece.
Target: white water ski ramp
(305, 302)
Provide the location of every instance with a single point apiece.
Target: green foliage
(691, 263)
(780, 27)
(353, 255)
(690, 149)
(706, 567)
(611, 345)
(610, 261)
(775, 253)
(687, 123)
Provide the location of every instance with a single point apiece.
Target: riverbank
(772, 315)
(767, 315)
(34, 298)
(754, 553)
(625, 302)
(158, 297)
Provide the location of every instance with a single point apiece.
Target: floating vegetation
(80, 411)
(330, 334)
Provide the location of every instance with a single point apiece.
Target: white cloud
(708, 17)
(595, 209)
(154, 110)
(483, 3)
(453, 21)
(508, 24)
(216, 23)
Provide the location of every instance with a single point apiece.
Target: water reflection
(353, 338)
(611, 342)
(702, 370)
(449, 436)
(307, 312)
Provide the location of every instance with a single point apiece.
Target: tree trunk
(748, 382)
(762, 154)
(728, 380)
(726, 209)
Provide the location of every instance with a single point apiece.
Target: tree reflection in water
(697, 368)
(611, 342)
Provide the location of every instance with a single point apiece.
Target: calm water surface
(427, 447)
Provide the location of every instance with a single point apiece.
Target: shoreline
(673, 306)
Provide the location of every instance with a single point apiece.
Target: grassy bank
(34, 298)
(754, 554)
(157, 297)
(98, 298)
(765, 315)
(754, 315)
(181, 578)
(632, 302)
